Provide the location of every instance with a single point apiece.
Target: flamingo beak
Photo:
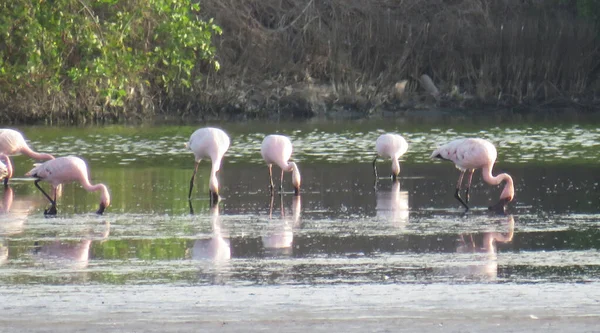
(101, 209)
(214, 198)
(500, 206)
(297, 191)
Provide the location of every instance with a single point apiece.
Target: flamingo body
(468, 153)
(277, 149)
(65, 170)
(13, 143)
(210, 143)
(474, 153)
(390, 146)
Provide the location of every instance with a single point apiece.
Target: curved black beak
(214, 199)
(296, 191)
(101, 209)
(500, 206)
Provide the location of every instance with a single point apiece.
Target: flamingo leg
(375, 172)
(281, 206)
(271, 206)
(271, 185)
(281, 185)
(52, 209)
(457, 193)
(192, 181)
(375, 167)
(469, 178)
(191, 207)
(43, 192)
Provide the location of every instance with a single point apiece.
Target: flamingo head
(506, 196)
(104, 200)
(296, 179)
(395, 168)
(213, 186)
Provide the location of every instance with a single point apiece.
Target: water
(341, 231)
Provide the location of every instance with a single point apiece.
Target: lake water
(340, 231)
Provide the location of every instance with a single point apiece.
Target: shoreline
(349, 308)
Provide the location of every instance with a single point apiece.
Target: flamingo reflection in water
(485, 266)
(392, 206)
(213, 252)
(70, 254)
(217, 247)
(14, 211)
(278, 236)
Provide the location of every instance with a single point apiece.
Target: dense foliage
(99, 58)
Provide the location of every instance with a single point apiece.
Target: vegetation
(84, 60)
(106, 59)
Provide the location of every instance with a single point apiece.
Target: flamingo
(64, 170)
(278, 149)
(390, 146)
(210, 143)
(471, 154)
(12, 143)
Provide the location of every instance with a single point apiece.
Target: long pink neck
(213, 182)
(508, 191)
(94, 188)
(35, 155)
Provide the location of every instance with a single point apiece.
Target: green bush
(101, 57)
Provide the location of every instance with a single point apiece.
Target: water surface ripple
(575, 143)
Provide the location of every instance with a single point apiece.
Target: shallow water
(341, 230)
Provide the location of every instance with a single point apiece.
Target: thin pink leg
(457, 193)
(271, 185)
(469, 178)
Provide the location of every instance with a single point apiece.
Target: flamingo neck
(508, 192)
(296, 179)
(104, 195)
(213, 183)
(395, 166)
(25, 150)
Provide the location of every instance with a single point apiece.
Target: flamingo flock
(212, 143)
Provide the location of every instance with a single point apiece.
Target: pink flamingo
(390, 146)
(13, 143)
(64, 170)
(471, 154)
(210, 143)
(278, 149)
